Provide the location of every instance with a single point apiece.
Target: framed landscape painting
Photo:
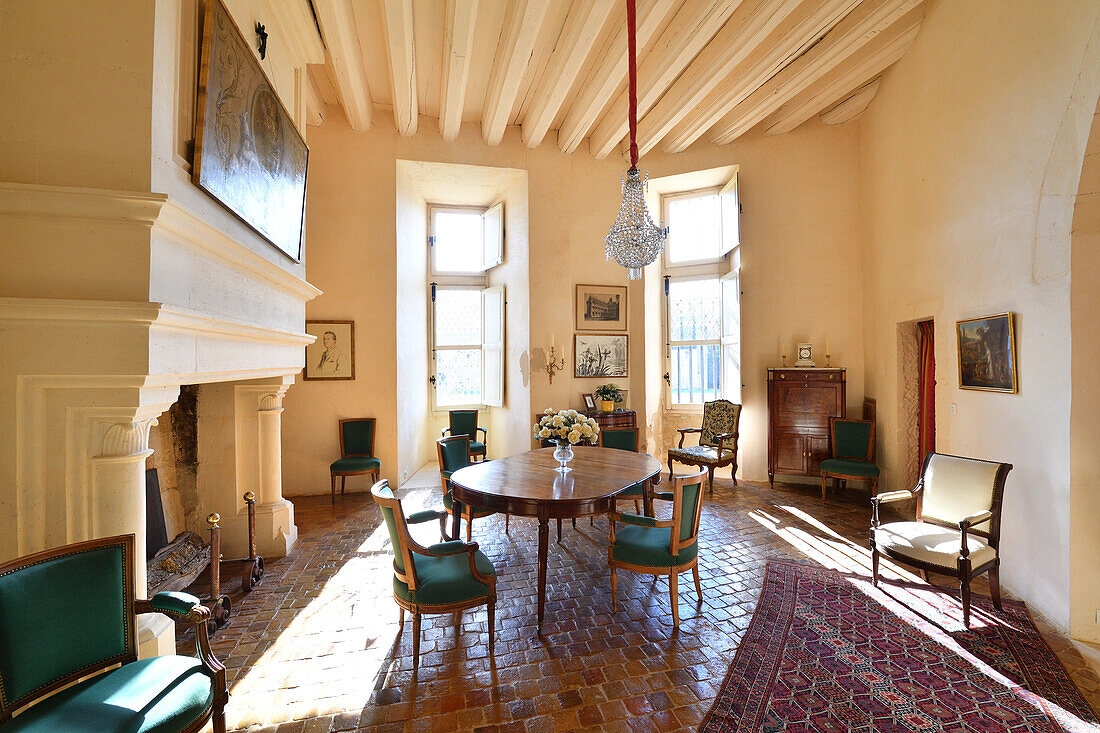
(987, 353)
(332, 355)
(601, 308)
(600, 355)
(249, 154)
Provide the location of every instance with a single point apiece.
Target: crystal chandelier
(634, 240)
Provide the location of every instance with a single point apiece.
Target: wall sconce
(552, 364)
(261, 32)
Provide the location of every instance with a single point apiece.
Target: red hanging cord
(632, 93)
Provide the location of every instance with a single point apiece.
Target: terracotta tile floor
(317, 647)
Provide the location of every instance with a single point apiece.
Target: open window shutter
(731, 336)
(492, 346)
(731, 215)
(493, 236)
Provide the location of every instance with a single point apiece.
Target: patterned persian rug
(827, 651)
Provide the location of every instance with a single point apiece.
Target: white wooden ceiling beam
(295, 21)
(582, 27)
(681, 41)
(459, 19)
(793, 38)
(609, 75)
(854, 32)
(397, 32)
(853, 105)
(872, 61)
(337, 21)
(750, 24)
(315, 106)
(522, 23)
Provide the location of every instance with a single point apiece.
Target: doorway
(916, 426)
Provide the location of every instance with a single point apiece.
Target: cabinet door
(817, 448)
(789, 453)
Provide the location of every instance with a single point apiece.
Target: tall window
(702, 316)
(467, 333)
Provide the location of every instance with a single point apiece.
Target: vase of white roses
(566, 428)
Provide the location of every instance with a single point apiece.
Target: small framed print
(600, 355)
(332, 355)
(589, 401)
(987, 353)
(601, 307)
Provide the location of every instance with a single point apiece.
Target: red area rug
(827, 651)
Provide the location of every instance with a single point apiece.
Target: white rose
(558, 421)
(571, 413)
(544, 433)
(574, 437)
(562, 432)
(586, 430)
(548, 411)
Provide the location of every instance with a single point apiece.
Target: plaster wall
(969, 161)
(802, 272)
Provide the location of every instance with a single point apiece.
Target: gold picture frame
(987, 353)
(600, 307)
(332, 355)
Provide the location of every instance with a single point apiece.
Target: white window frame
(492, 238)
(695, 273)
(729, 232)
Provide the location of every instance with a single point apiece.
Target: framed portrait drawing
(249, 154)
(589, 401)
(987, 353)
(332, 355)
(600, 355)
(601, 308)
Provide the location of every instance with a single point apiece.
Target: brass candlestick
(554, 366)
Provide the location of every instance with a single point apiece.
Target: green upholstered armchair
(624, 439)
(68, 614)
(661, 547)
(446, 577)
(453, 454)
(464, 422)
(957, 530)
(717, 441)
(853, 443)
(356, 452)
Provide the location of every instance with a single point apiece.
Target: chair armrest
(172, 603)
(640, 521)
(976, 518)
(721, 439)
(443, 549)
(664, 496)
(443, 432)
(684, 432)
(425, 516)
(484, 433)
(890, 496)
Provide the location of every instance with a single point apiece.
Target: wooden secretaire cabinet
(617, 419)
(800, 403)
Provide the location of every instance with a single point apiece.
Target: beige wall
(969, 162)
(1085, 417)
(802, 276)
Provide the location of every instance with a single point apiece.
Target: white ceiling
(708, 69)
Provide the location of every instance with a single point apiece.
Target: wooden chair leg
(343, 483)
(614, 588)
(995, 586)
(710, 480)
(823, 480)
(924, 574)
(559, 531)
(219, 719)
(400, 616)
(574, 522)
(637, 507)
(874, 566)
(698, 585)
(333, 477)
(416, 640)
(733, 473)
(506, 518)
(674, 598)
(491, 612)
(469, 525)
(965, 587)
(874, 486)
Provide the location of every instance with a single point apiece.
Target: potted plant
(609, 395)
(566, 428)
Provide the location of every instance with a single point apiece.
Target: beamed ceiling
(707, 69)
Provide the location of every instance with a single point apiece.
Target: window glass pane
(694, 228)
(695, 310)
(458, 377)
(694, 374)
(457, 241)
(457, 317)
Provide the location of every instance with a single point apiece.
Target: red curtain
(926, 386)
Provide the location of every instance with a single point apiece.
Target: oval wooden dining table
(528, 484)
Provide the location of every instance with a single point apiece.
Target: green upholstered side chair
(464, 422)
(356, 452)
(446, 577)
(453, 454)
(853, 443)
(957, 528)
(624, 439)
(68, 614)
(717, 441)
(661, 547)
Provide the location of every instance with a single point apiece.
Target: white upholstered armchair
(957, 529)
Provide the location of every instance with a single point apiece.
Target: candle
(827, 352)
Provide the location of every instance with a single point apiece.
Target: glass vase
(563, 455)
